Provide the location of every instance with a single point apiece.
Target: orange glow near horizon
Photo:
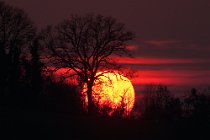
(114, 91)
(144, 77)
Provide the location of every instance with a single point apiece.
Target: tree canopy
(16, 34)
(85, 45)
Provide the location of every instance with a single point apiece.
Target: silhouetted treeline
(22, 84)
(176, 117)
(34, 106)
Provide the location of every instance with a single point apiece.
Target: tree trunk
(3, 70)
(91, 106)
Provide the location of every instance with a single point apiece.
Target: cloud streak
(172, 42)
(142, 60)
(172, 78)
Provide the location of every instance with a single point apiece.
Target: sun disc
(112, 90)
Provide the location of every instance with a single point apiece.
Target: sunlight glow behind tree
(85, 45)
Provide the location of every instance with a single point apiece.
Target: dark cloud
(171, 29)
(173, 49)
(184, 66)
(150, 19)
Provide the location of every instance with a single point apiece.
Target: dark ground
(48, 125)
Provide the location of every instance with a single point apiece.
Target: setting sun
(114, 91)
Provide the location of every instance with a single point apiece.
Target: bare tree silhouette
(84, 44)
(160, 105)
(197, 105)
(16, 32)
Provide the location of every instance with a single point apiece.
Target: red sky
(182, 73)
(172, 41)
